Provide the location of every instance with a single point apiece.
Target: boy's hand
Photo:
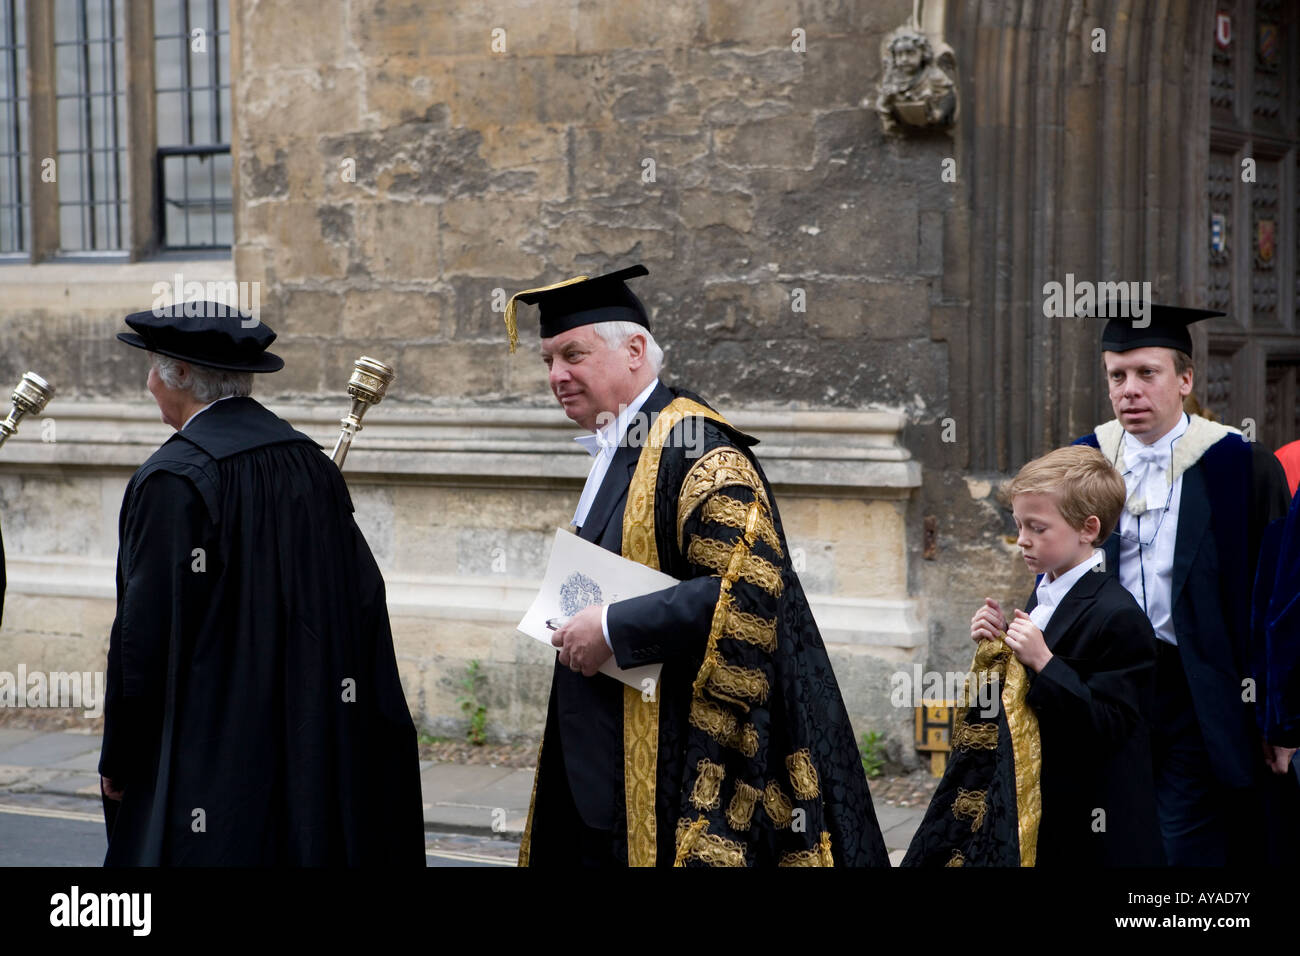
(989, 622)
(1026, 642)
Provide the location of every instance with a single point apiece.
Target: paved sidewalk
(457, 797)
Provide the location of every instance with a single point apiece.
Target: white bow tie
(1147, 480)
(596, 443)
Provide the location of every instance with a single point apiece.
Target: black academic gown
(1093, 701)
(254, 714)
(583, 784)
(1229, 497)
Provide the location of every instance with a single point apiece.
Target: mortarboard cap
(582, 300)
(1133, 324)
(205, 333)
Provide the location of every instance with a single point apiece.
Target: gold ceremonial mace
(28, 399)
(367, 386)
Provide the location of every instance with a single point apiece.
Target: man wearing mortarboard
(743, 755)
(1199, 498)
(253, 715)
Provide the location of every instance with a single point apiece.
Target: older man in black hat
(743, 754)
(1199, 498)
(254, 714)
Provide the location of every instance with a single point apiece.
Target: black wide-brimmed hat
(205, 333)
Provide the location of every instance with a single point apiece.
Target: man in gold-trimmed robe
(743, 755)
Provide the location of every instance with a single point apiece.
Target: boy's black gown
(1092, 702)
(254, 714)
(747, 757)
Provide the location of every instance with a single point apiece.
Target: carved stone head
(909, 51)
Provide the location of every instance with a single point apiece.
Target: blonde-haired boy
(1090, 654)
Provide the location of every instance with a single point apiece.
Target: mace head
(370, 380)
(32, 393)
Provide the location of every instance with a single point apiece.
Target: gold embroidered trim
(707, 792)
(720, 556)
(726, 510)
(994, 659)
(803, 775)
(694, 841)
(729, 682)
(743, 626)
(983, 736)
(736, 681)
(819, 855)
(640, 756)
(779, 807)
(526, 844)
(640, 718)
(740, 812)
(687, 834)
(712, 658)
(639, 513)
(722, 467)
(723, 727)
(957, 859)
(970, 805)
(1027, 746)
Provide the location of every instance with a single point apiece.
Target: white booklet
(580, 574)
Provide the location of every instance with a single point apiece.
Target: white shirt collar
(204, 409)
(1051, 593)
(606, 440)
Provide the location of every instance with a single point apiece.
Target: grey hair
(615, 334)
(206, 384)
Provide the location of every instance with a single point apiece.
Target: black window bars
(193, 211)
(88, 97)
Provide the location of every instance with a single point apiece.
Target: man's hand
(582, 642)
(988, 622)
(109, 790)
(1026, 642)
(1278, 758)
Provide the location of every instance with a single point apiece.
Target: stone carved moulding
(918, 86)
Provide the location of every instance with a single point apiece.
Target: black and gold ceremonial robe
(254, 715)
(987, 807)
(744, 756)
